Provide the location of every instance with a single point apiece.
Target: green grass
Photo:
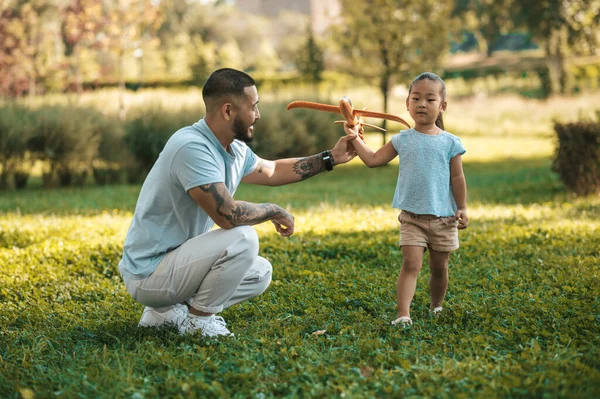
(521, 315)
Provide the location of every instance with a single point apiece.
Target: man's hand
(463, 218)
(284, 223)
(343, 151)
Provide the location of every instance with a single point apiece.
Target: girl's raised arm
(372, 159)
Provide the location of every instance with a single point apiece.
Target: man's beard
(241, 131)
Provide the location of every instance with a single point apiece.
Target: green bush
(148, 130)
(294, 133)
(66, 140)
(113, 155)
(16, 128)
(577, 159)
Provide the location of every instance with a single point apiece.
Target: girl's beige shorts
(429, 231)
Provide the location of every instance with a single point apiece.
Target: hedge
(577, 159)
(73, 144)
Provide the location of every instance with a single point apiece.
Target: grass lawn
(521, 316)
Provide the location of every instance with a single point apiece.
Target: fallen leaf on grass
(319, 332)
(366, 371)
(26, 393)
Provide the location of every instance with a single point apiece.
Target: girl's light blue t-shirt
(166, 216)
(424, 185)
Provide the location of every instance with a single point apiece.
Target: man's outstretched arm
(216, 201)
(291, 170)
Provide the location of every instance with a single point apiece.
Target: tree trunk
(385, 89)
(4, 175)
(141, 70)
(122, 112)
(482, 43)
(78, 74)
(31, 87)
(556, 53)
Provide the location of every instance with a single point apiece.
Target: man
(173, 262)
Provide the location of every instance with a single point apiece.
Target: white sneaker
(174, 316)
(213, 326)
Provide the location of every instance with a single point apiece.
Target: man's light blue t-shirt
(166, 216)
(424, 185)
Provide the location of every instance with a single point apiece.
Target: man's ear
(226, 109)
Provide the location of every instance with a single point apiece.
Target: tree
(229, 55)
(12, 49)
(267, 60)
(80, 21)
(487, 19)
(310, 61)
(39, 41)
(172, 26)
(23, 46)
(384, 40)
(564, 27)
(125, 24)
(203, 60)
(291, 38)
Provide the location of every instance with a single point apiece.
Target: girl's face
(425, 102)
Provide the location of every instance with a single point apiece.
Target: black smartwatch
(327, 159)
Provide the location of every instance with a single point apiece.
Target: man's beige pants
(211, 272)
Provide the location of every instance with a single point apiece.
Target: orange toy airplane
(352, 116)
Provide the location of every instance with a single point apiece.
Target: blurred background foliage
(73, 45)
(95, 88)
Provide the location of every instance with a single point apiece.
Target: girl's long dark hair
(439, 122)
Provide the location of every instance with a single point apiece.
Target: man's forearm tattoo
(310, 166)
(239, 213)
(247, 213)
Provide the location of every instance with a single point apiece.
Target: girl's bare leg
(412, 259)
(438, 280)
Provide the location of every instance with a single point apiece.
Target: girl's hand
(463, 218)
(351, 131)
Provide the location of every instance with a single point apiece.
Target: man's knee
(248, 239)
(265, 273)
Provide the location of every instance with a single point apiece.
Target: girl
(431, 191)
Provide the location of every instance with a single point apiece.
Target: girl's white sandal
(402, 321)
(437, 310)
